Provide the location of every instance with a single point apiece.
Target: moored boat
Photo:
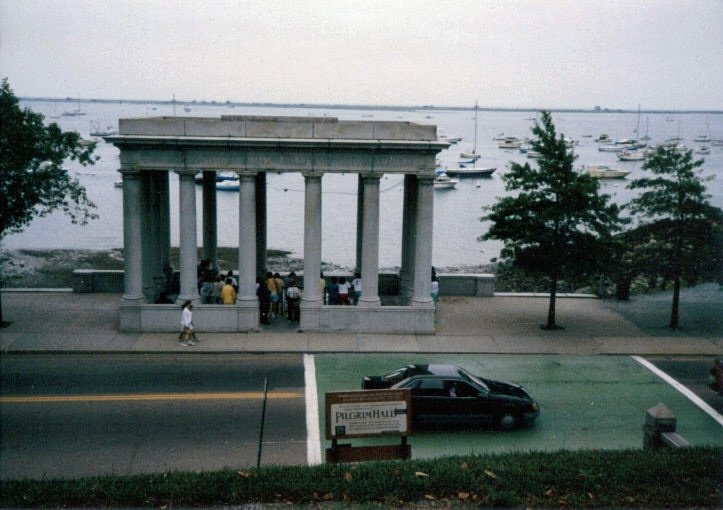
(471, 172)
(443, 181)
(605, 172)
(510, 142)
(638, 155)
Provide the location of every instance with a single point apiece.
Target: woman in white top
(188, 335)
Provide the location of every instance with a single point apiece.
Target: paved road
(692, 372)
(587, 402)
(78, 415)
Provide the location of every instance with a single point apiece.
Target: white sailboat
(472, 156)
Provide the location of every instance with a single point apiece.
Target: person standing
(334, 291)
(356, 287)
(270, 283)
(228, 293)
(343, 291)
(280, 285)
(262, 293)
(217, 287)
(322, 287)
(188, 335)
(293, 296)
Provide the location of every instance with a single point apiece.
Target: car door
(430, 401)
(467, 404)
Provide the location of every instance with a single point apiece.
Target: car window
(429, 388)
(397, 375)
(462, 389)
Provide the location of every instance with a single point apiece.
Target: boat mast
(474, 151)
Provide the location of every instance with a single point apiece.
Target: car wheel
(507, 420)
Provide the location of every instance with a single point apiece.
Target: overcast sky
(661, 54)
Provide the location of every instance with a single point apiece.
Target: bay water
(457, 212)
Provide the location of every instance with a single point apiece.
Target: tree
(555, 223)
(676, 221)
(33, 181)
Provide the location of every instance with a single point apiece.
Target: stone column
(261, 214)
(370, 249)
(155, 251)
(188, 242)
(132, 238)
(210, 218)
(409, 219)
(423, 245)
(359, 223)
(312, 240)
(164, 205)
(247, 240)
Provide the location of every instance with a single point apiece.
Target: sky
(660, 54)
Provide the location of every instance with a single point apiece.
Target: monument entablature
(251, 146)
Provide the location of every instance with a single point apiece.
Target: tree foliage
(678, 237)
(33, 181)
(555, 222)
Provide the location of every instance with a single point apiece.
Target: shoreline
(53, 268)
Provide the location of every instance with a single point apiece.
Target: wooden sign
(368, 413)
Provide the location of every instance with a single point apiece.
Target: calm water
(456, 212)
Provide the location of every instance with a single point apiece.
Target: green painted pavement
(587, 402)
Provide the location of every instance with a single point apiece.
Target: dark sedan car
(448, 394)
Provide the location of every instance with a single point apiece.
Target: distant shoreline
(332, 106)
(48, 268)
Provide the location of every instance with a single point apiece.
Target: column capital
(312, 173)
(186, 172)
(368, 176)
(425, 180)
(129, 172)
(245, 173)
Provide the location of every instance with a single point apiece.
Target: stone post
(312, 240)
(423, 243)
(132, 237)
(409, 219)
(210, 225)
(247, 238)
(187, 239)
(658, 420)
(370, 249)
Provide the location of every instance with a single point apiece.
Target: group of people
(218, 289)
(278, 295)
(340, 291)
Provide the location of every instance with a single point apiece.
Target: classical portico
(151, 148)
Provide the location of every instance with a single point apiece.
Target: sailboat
(74, 113)
(704, 138)
(471, 157)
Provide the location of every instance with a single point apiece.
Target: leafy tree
(33, 181)
(678, 228)
(555, 223)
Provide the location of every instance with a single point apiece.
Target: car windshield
(395, 375)
(466, 375)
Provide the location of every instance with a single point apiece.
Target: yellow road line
(241, 395)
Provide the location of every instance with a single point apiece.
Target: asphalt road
(78, 415)
(692, 372)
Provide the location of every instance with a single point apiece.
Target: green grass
(624, 478)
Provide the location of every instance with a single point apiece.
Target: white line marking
(678, 386)
(313, 443)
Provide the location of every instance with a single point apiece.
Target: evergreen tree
(33, 181)
(555, 222)
(676, 220)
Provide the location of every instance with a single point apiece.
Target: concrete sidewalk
(56, 321)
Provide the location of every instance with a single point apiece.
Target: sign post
(375, 413)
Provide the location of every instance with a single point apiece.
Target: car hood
(503, 388)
